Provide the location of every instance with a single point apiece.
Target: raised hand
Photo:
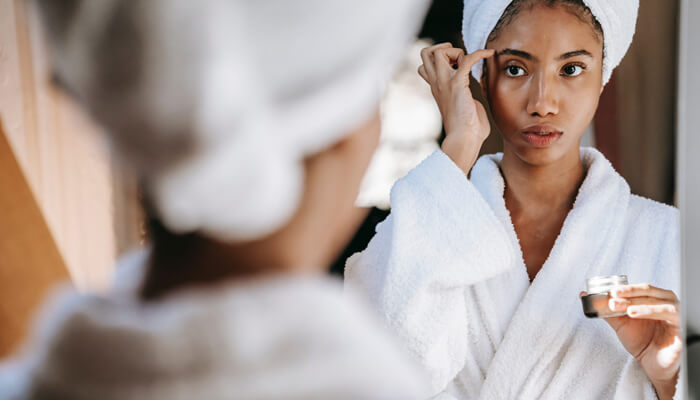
(465, 119)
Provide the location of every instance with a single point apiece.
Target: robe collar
(547, 316)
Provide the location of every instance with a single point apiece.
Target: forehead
(547, 32)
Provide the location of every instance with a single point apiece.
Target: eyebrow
(517, 53)
(528, 56)
(574, 54)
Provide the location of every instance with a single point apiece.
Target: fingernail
(616, 304)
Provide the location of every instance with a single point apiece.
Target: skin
(545, 68)
(322, 225)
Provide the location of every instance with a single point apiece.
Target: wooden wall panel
(30, 263)
(56, 183)
(59, 149)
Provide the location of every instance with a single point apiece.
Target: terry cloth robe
(273, 338)
(446, 271)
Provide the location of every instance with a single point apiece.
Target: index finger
(643, 289)
(468, 61)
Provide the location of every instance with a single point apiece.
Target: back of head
(216, 103)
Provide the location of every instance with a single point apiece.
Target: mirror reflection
(448, 199)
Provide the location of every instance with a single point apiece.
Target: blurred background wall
(63, 215)
(644, 98)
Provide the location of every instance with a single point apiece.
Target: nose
(543, 98)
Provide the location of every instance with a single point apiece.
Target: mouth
(541, 135)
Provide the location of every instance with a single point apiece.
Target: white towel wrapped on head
(618, 18)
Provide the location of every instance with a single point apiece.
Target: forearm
(665, 390)
(462, 150)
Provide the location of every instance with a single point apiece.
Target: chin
(538, 157)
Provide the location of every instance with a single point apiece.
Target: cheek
(579, 104)
(507, 105)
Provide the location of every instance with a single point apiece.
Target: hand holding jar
(647, 321)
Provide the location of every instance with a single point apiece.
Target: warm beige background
(30, 263)
(63, 158)
(56, 184)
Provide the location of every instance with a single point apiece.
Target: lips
(541, 135)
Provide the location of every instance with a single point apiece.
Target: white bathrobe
(274, 338)
(446, 271)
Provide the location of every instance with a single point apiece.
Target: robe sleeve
(664, 221)
(440, 237)
(444, 396)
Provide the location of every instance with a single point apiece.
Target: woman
(481, 277)
(251, 157)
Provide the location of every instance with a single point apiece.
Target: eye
(514, 70)
(572, 70)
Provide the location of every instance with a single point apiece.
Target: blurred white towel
(273, 338)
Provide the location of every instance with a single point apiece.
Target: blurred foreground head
(216, 104)
(247, 121)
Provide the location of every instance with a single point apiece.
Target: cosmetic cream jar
(595, 303)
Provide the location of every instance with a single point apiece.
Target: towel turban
(618, 18)
(215, 104)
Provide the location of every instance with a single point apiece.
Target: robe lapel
(536, 339)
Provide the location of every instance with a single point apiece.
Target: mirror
(688, 190)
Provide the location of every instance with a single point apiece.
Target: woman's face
(544, 83)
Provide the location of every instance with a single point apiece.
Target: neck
(179, 261)
(541, 189)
